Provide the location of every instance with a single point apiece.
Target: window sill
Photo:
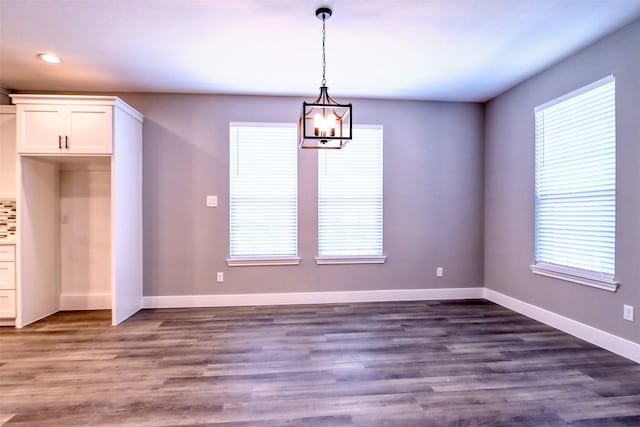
(373, 259)
(576, 276)
(255, 261)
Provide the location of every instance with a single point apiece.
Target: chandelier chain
(324, 58)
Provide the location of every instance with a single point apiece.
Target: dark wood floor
(435, 363)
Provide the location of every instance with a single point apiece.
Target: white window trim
(574, 275)
(577, 92)
(345, 259)
(355, 259)
(242, 261)
(256, 261)
(593, 279)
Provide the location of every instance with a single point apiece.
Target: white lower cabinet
(7, 275)
(7, 282)
(7, 304)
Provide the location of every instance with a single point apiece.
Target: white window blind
(350, 196)
(263, 194)
(576, 182)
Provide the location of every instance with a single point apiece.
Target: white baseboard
(85, 302)
(613, 343)
(181, 301)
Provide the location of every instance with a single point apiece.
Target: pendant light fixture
(324, 123)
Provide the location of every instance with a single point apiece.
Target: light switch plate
(212, 201)
(628, 313)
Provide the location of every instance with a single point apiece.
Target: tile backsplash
(7, 219)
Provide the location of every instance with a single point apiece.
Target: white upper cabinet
(89, 128)
(7, 151)
(64, 125)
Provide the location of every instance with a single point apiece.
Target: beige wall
(433, 190)
(509, 195)
(85, 232)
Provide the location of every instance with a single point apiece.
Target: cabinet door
(7, 303)
(7, 253)
(7, 275)
(40, 128)
(89, 129)
(7, 155)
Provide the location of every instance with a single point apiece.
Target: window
(350, 200)
(263, 194)
(576, 186)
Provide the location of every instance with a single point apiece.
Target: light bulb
(318, 124)
(331, 124)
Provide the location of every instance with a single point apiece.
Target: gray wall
(509, 187)
(4, 96)
(433, 195)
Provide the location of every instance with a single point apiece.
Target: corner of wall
(4, 96)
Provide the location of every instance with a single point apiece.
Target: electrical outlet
(628, 313)
(439, 272)
(220, 277)
(212, 201)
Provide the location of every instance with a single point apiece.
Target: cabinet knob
(66, 142)
(59, 142)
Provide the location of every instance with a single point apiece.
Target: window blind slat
(576, 181)
(350, 200)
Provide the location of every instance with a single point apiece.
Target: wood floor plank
(415, 363)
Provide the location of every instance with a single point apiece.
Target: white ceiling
(463, 50)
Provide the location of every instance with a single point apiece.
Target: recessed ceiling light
(50, 58)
